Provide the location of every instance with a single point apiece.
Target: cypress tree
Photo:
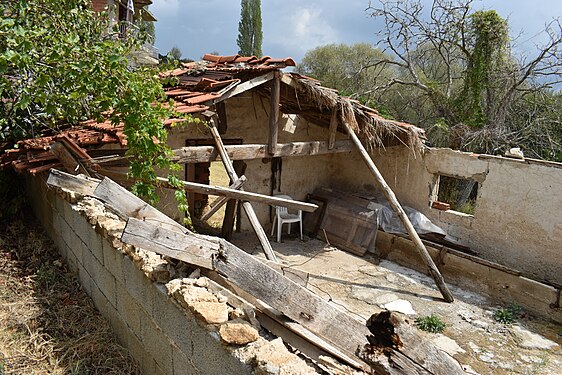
(249, 28)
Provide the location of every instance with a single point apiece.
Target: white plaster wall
(518, 216)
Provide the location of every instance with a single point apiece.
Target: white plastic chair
(282, 216)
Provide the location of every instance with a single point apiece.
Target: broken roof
(197, 86)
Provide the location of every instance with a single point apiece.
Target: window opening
(460, 193)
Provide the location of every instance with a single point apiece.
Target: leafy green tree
(351, 69)
(250, 29)
(455, 74)
(175, 53)
(61, 63)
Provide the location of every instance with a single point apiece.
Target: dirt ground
(363, 285)
(48, 325)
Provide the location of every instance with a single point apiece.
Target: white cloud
(165, 7)
(307, 29)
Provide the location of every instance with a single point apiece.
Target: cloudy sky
(292, 27)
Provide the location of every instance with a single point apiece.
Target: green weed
(431, 323)
(507, 315)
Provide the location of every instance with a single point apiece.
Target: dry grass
(47, 323)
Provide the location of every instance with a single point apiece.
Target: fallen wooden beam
(216, 205)
(233, 193)
(391, 198)
(274, 294)
(126, 205)
(250, 213)
(292, 332)
(204, 154)
(68, 161)
(256, 278)
(78, 184)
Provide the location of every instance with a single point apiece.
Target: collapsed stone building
(179, 300)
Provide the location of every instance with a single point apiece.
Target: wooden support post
(221, 113)
(221, 201)
(389, 194)
(268, 250)
(274, 113)
(232, 206)
(333, 129)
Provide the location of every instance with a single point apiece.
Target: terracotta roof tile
(201, 98)
(199, 82)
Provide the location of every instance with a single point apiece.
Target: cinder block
(85, 280)
(139, 353)
(105, 281)
(182, 363)
(88, 259)
(68, 212)
(157, 345)
(94, 243)
(118, 325)
(100, 301)
(71, 261)
(175, 322)
(130, 310)
(58, 204)
(83, 229)
(211, 355)
(159, 371)
(137, 284)
(76, 246)
(113, 260)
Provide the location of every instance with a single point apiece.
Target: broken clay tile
(246, 59)
(201, 99)
(193, 109)
(228, 59)
(440, 205)
(212, 58)
(287, 61)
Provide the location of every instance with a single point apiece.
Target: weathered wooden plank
(252, 217)
(79, 184)
(274, 321)
(247, 196)
(217, 204)
(66, 158)
(274, 113)
(333, 129)
(254, 277)
(127, 205)
(407, 350)
(391, 198)
(204, 154)
(234, 194)
(296, 302)
(189, 248)
(232, 205)
(245, 86)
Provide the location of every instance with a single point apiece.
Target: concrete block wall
(161, 335)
